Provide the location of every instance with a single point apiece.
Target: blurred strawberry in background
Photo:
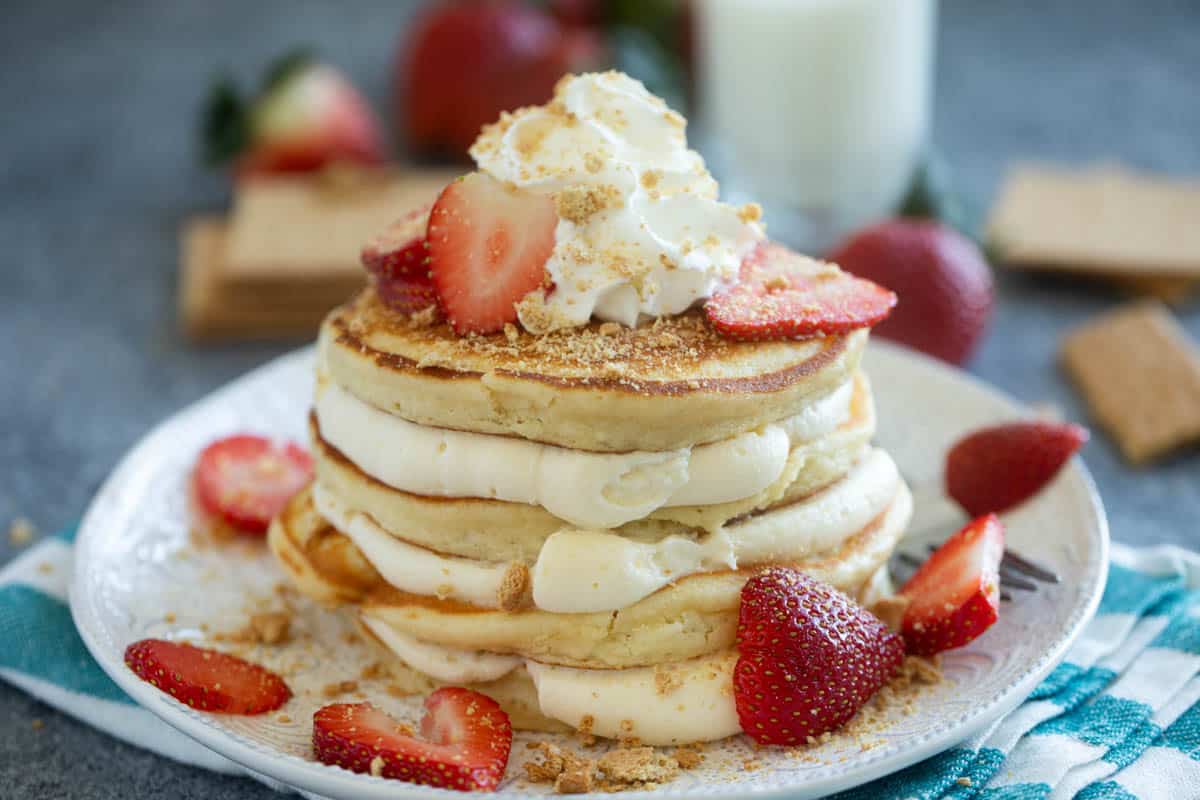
(462, 63)
(943, 282)
(306, 115)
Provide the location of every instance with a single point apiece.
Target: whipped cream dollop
(641, 232)
(589, 490)
(581, 571)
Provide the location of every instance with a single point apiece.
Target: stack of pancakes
(565, 521)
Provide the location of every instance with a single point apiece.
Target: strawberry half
(781, 294)
(207, 680)
(488, 246)
(996, 468)
(810, 657)
(467, 741)
(955, 595)
(305, 116)
(399, 251)
(246, 480)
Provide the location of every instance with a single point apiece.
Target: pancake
(495, 530)
(692, 617)
(601, 387)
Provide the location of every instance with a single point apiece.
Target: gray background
(98, 170)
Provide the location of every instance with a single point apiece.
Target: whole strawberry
(462, 64)
(810, 657)
(996, 468)
(306, 115)
(943, 282)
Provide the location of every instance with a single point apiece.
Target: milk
(820, 109)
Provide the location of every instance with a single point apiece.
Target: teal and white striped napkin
(1118, 720)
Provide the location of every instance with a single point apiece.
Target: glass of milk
(819, 109)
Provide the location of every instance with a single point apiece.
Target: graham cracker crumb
(569, 772)
(284, 718)
(637, 765)
(666, 679)
(272, 627)
(425, 318)
(21, 532)
(776, 283)
(45, 568)
(377, 766)
(514, 587)
(750, 212)
(339, 688)
(268, 627)
(688, 758)
(169, 617)
(396, 690)
(373, 671)
(585, 730)
(579, 202)
(511, 333)
(964, 781)
(36, 724)
(890, 610)
(576, 778)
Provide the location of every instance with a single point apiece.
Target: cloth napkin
(1119, 719)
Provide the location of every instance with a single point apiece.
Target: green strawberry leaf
(224, 124)
(286, 67)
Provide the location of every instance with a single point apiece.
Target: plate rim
(312, 776)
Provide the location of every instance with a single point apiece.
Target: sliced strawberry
(399, 250)
(809, 657)
(405, 295)
(246, 480)
(783, 295)
(207, 680)
(955, 595)
(996, 468)
(467, 741)
(488, 246)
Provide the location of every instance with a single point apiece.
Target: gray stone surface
(99, 170)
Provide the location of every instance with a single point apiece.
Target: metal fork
(1016, 571)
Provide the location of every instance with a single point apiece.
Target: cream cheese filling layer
(587, 571)
(587, 489)
(447, 664)
(674, 703)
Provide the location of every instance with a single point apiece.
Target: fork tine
(1005, 596)
(1015, 582)
(1027, 567)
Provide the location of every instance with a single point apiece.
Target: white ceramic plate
(140, 573)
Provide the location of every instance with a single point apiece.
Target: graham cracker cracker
(1176, 292)
(1140, 376)
(209, 309)
(308, 230)
(1104, 220)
